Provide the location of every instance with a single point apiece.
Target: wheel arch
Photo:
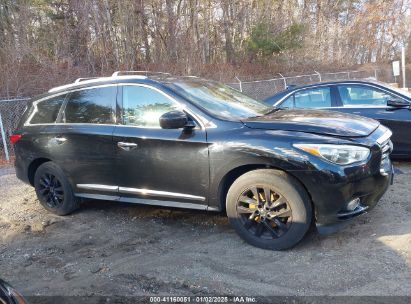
(236, 172)
(34, 165)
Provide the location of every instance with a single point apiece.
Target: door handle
(59, 140)
(126, 146)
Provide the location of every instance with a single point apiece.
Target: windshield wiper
(274, 109)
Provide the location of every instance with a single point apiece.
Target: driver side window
(309, 98)
(142, 106)
(364, 96)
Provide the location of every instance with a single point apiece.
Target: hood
(315, 121)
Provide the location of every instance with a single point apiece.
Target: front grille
(386, 148)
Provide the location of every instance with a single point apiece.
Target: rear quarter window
(46, 111)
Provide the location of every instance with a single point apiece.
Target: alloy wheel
(264, 213)
(51, 190)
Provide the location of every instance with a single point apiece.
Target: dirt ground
(109, 248)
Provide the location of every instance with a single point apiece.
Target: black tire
(277, 221)
(54, 190)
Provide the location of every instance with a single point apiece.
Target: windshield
(400, 91)
(219, 100)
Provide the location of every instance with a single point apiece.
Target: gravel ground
(109, 248)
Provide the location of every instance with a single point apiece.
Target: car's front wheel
(269, 209)
(54, 190)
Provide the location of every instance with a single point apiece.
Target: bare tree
(45, 42)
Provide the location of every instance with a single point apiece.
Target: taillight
(14, 138)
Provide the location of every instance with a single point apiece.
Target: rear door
(371, 102)
(40, 130)
(167, 165)
(84, 145)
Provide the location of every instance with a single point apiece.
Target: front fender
(254, 149)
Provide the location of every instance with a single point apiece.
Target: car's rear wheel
(269, 209)
(54, 190)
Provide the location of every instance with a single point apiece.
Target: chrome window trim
(71, 124)
(361, 107)
(27, 123)
(35, 103)
(183, 107)
(343, 107)
(348, 107)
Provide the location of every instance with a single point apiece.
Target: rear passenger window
(46, 111)
(91, 106)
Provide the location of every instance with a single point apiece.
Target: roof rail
(145, 73)
(189, 76)
(78, 82)
(92, 80)
(84, 78)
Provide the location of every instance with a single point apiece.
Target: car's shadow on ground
(180, 217)
(108, 248)
(147, 212)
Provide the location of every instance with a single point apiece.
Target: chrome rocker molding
(97, 187)
(160, 193)
(165, 203)
(135, 200)
(139, 191)
(145, 192)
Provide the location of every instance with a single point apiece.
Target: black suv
(192, 143)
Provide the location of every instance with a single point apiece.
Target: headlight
(338, 154)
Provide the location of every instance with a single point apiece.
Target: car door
(320, 97)
(83, 146)
(371, 102)
(167, 166)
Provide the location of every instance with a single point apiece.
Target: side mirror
(398, 103)
(174, 120)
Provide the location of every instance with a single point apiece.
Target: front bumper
(331, 221)
(332, 188)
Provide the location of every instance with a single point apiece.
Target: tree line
(46, 42)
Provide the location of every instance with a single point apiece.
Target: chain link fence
(11, 109)
(261, 89)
